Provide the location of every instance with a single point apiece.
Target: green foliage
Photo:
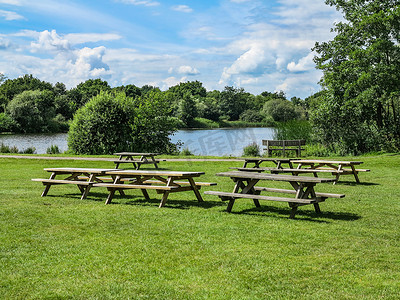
(53, 149)
(32, 111)
(7, 149)
(232, 102)
(251, 150)
(186, 152)
(111, 123)
(12, 87)
(251, 115)
(7, 124)
(281, 110)
(86, 90)
(361, 75)
(293, 130)
(29, 150)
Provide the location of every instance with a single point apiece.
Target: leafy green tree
(11, 87)
(32, 111)
(187, 109)
(360, 109)
(86, 90)
(130, 90)
(280, 110)
(232, 102)
(112, 122)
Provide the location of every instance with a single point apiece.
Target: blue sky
(260, 45)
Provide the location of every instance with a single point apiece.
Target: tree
(12, 87)
(86, 90)
(281, 110)
(232, 102)
(360, 109)
(32, 111)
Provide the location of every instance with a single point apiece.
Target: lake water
(213, 142)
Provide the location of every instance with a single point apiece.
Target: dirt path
(111, 159)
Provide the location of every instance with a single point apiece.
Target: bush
(251, 150)
(7, 124)
(251, 116)
(111, 123)
(29, 150)
(8, 149)
(186, 152)
(53, 149)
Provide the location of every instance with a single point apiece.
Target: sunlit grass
(63, 247)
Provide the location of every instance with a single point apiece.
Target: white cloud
(10, 15)
(182, 8)
(186, 70)
(11, 2)
(80, 38)
(50, 41)
(305, 63)
(140, 2)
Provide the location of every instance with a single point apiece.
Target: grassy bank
(62, 247)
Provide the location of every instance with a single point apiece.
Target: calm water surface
(215, 142)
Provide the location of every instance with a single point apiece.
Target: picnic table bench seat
(61, 181)
(291, 170)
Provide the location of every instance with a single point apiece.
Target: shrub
(111, 123)
(251, 150)
(29, 150)
(186, 152)
(53, 149)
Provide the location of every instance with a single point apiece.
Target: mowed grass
(61, 247)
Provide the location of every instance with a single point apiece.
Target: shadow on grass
(140, 200)
(353, 183)
(303, 215)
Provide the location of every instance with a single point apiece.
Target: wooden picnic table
(257, 161)
(163, 182)
(335, 167)
(246, 187)
(136, 159)
(84, 178)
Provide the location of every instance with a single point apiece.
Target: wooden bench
(283, 146)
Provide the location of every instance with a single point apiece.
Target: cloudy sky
(260, 45)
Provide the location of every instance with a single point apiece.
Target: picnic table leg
(145, 194)
(112, 190)
(86, 190)
(355, 173)
(47, 187)
(195, 190)
(293, 211)
(154, 162)
(164, 199)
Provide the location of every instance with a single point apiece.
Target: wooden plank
(59, 181)
(227, 196)
(182, 183)
(153, 173)
(317, 161)
(136, 186)
(78, 170)
(274, 190)
(274, 177)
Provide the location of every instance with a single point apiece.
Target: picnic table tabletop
(274, 177)
(66, 170)
(136, 154)
(325, 162)
(153, 173)
(257, 161)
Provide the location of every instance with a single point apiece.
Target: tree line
(29, 105)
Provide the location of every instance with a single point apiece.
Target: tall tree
(361, 77)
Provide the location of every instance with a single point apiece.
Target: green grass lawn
(61, 247)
